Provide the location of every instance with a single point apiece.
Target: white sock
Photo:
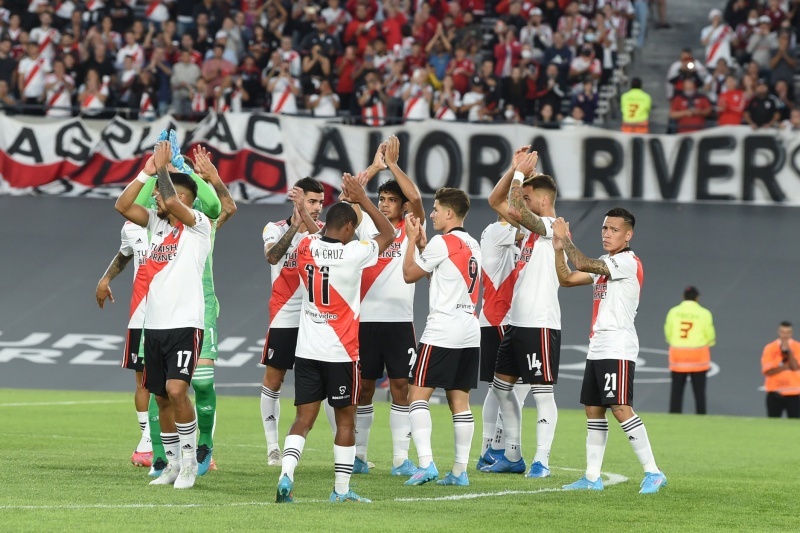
(331, 414)
(489, 415)
(419, 416)
(499, 441)
(596, 440)
(637, 435)
(547, 419)
(187, 435)
(270, 415)
(365, 414)
(400, 426)
(292, 450)
(172, 448)
(512, 418)
(521, 390)
(343, 457)
(464, 428)
(145, 444)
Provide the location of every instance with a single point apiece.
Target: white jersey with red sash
(199, 103)
(156, 11)
(147, 109)
(536, 282)
(33, 73)
(374, 111)
(454, 260)
(283, 100)
(58, 97)
(385, 296)
(417, 106)
(445, 112)
(499, 253)
(48, 39)
(719, 44)
(330, 273)
(615, 303)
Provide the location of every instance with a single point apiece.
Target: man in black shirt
(8, 65)
(763, 110)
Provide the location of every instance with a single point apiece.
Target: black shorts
(385, 344)
(532, 354)
(608, 382)
(490, 342)
(314, 381)
(445, 368)
(279, 348)
(170, 354)
(131, 359)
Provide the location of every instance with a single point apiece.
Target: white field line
(45, 404)
(611, 479)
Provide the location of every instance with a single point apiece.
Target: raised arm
(409, 188)
(498, 198)
(581, 262)
(274, 252)
(207, 170)
(126, 203)
(103, 290)
(166, 188)
(412, 272)
(297, 196)
(517, 209)
(358, 195)
(566, 277)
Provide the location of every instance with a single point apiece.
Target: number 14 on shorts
(534, 363)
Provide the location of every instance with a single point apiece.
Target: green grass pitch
(64, 466)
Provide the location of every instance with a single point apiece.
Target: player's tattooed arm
(583, 263)
(165, 186)
(276, 252)
(524, 216)
(103, 290)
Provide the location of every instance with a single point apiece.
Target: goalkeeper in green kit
(215, 201)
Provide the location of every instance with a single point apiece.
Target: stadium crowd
(747, 72)
(377, 62)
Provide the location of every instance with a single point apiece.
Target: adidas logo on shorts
(184, 371)
(610, 394)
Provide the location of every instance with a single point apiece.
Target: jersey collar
(325, 238)
(457, 229)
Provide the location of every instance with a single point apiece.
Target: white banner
(263, 154)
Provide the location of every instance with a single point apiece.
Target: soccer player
(173, 293)
(613, 343)
(215, 201)
(531, 348)
(280, 248)
(330, 270)
(447, 355)
(499, 254)
(386, 334)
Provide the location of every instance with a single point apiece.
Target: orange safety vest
(786, 383)
(635, 127)
(689, 359)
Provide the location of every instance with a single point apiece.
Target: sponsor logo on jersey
(600, 291)
(342, 389)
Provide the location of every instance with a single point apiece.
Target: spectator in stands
(214, 15)
(326, 103)
(143, 97)
(336, 16)
(635, 106)
(328, 42)
(46, 36)
(461, 68)
(361, 30)
(58, 86)
(215, 69)
(783, 63)
(372, 100)
(93, 95)
(132, 49)
(30, 75)
(100, 61)
(715, 82)
(506, 54)
(8, 105)
(347, 67)
(514, 16)
(160, 71)
(743, 31)
(587, 100)
(775, 13)
(738, 11)
(731, 103)
(575, 119)
(537, 34)
(474, 101)
(184, 75)
(8, 65)
(228, 53)
(550, 91)
(572, 25)
(559, 55)
(316, 67)
(687, 67)
(793, 124)
(547, 118)
(121, 14)
(284, 89)
(585, 67)
(763, 110)
(761, 44)
(717, 38)
(438, 50)
(447, 100)
(690, 108)
(785, 102)
(417, 97)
